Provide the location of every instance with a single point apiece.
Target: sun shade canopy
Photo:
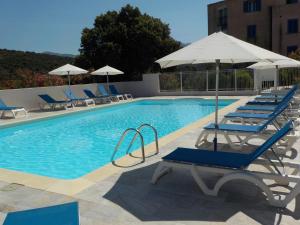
(288, 63)
(107, 70)
(67, 70)
(218, 46)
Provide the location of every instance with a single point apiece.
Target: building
(271, 24)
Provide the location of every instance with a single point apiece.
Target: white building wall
(148, 87)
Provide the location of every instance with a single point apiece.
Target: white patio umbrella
(107, 71)
(287, 63)
(68, 70)
(218, 48)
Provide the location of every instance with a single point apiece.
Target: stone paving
(128, 197)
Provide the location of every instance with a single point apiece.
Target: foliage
(20, 69)
(295, 55)
(128, 40)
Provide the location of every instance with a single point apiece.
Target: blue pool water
(71, 146)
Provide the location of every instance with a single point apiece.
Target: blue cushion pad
(209, 158)
(248, 115)
(9, 107)
(234, 127)
(273, 103)
(257, 108)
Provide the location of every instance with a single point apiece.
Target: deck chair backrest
(274, 115)
(89, 93)
(271, 141)
(69, 93)
(113, 90)
(2, 104)
(287, 98)
(102, 90)
(47, 98)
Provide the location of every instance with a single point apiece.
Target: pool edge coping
(71, 187)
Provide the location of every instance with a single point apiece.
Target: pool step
(138, 133)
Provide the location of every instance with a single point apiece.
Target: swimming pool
(73, 145)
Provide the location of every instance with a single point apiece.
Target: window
(293, 26)
(222, 19)
(292, 48)
(252, 5)
(291, 1)
(251, 33)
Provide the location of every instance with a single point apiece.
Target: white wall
(28, 97)
(263, 75)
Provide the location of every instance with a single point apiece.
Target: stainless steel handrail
(139, 129)
(137, 133)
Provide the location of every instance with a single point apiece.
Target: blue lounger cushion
(272, 103)
(207, 157)
(249, 115)
(103, 91)
(4, 107)
(271, 97)
(225, 159)
(9, 107)
(257, 107)
(49, 99)
(234, 127)
(65, 214)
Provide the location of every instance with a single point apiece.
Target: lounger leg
(160, 171)
(13, 113)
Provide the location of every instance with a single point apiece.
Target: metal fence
(229, 80)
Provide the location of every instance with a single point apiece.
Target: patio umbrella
(107, 71)
(218, 48)
(68, 70)
(287, 63)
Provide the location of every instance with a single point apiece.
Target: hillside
(20, 69)
(11, 61)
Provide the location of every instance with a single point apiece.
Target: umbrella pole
(107, 80)
(276, 82)
(217, 102)
(69, 79)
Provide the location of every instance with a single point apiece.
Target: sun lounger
(251, 118)
(268, 108)
(244, 132)
(104, 93)
(237, 166)
(54, 104)
(78, 101)
(12, 110)
(273, 99)
(279, 94)
(97, 99)
(115, 91)
(65, 214)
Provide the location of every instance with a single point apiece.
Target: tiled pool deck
(115, 195)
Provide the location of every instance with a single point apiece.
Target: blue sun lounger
(239, 131)
(65, 214)
(97, 99)
(273, 100)
(13, 110)
(285, 100)
(234, 166)
(53, 104)
(78, 101)
(115, 91)
(104, 93)
(251, 117)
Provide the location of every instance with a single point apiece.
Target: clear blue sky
(56, 25)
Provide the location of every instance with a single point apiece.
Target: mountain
(59, 54)
(11, 61)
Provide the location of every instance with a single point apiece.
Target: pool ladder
(138, 133)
